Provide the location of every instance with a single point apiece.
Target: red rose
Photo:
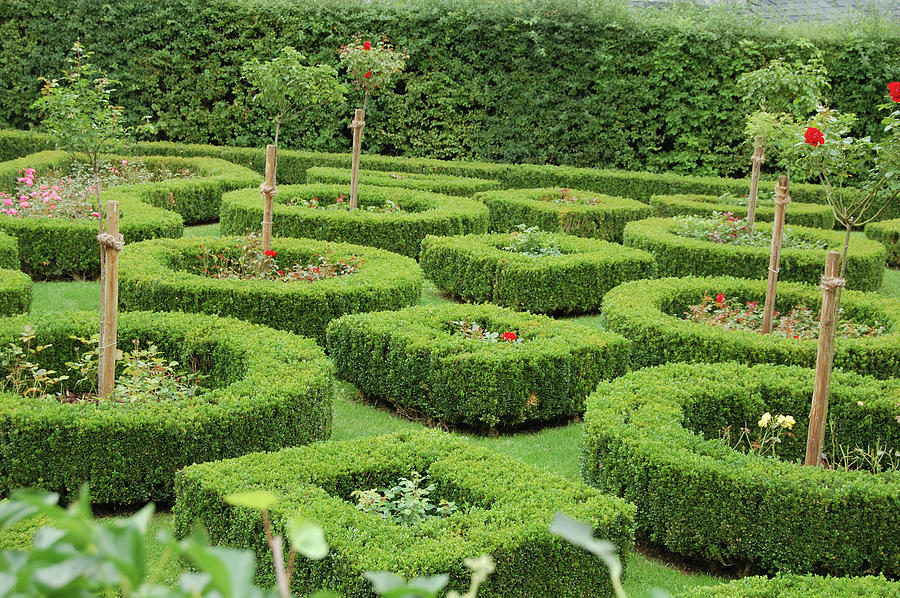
(814, 137)
(367, 45)
(509, 336)
(720, 298)
(894, 89)
(281, 273)
(271, 253)
(368, 74)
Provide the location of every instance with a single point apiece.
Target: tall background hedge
(588, 83)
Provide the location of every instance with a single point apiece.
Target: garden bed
(799, 214)
(680, 256)
(533, 370)
(887, 232)
(505, 511)
(798, 586)
(417, 214)
(654, 437)
(437, 183)
(477, 268)
(167, 274)
(263, 390)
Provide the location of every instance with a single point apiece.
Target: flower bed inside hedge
(438, 183)
(887, 232)
(419, 359)
(580, 213)
(679, 256)
(166, 274)
(798, 586)
(505, 508)
(653, 437)
(477, 268)
(652, 314)
(800, 214)
(417, 214)
(263, 390)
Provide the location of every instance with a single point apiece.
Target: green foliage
(680, 256)
(437, 183)
(799, 214)
(15, 292)
(406, 503)
(887, 232)
(532, 242)
(371, 66)
(652, 436)
(505, 510)
(780, 86)
(476, 268)
(416, 359)
(799, 586)
(263, 390)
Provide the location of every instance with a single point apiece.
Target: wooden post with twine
(268, 191)
(759, 155)
(358, 124)
(113, 243)
(782, 199)
(818, 414)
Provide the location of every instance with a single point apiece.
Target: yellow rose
(785, 421)
(765, 420)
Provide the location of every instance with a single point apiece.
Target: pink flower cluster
(44, 193)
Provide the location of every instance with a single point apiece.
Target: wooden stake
(112, 241)
(268, 190)
(782, 198)
(818, 413)
(759, 155)
(358, 124)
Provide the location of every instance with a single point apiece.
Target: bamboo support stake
(113, 243)
(759, 155)
(358, 124)
(782, 198)
(818, 414)
(268, 191)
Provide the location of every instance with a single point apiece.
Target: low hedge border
(269, 389)
(436, 183)
(399, 232)
(798, 586)
(15, 292)
(650, 312)
(652, 437)
(476, 268)
(505, 511)
(9, 252)
(605, 220)
(156, 275)
(799, 214)
(887, 232)
(414, 359)
(680, 256)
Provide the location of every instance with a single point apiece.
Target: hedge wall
(15, 292)
(9, 252)
(264, 390)
(888, 234)
(680, 256)
(653, 437)
(437, 183)
(423, 214)
(476, 268)
(416, 359)
(165, 275)
(798, 586)
(799, 214)
(505, 508)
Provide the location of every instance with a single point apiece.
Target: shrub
(164, 274)
(651, 314)
(421, 214)
(653, 437)
(15, 144)
(437, 183)
(680, 256)
(798, 586)
(15, 286)
(579, 213)
(418, 359)
(9, 253)
(800, 214)
(477, 268)
(887, 233)
(264, 390)
(505, 510)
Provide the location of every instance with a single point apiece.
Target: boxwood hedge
(438, 183)
(800, 214)
(15, 292)
(9, 252)
(264, 390)
(476, 268)
(798, 586)
(651, 312)
(166, 274)
(422, 214)
(680, 256)
(654, 437)
(887, 232)
(417, 360)
(505, 508)
(536, 207)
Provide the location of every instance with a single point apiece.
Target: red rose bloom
(720, 298)
(509, 336)
(367, 45)
(271, 253)
(814, 137)
(368, 74)
(281, 273)
(894, 89)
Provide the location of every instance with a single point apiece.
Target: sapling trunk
(848, 226)
(100, 345)
(277, 128)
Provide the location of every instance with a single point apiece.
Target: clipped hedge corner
(887, 232)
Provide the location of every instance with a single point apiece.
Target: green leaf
(261, 500)
(24, 504)
(307, 538)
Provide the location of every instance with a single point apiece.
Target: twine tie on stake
(832, 283)
(269, 190)
(357, 124)
(110, 242)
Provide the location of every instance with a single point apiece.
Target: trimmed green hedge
(266, 390)
(650, 313)
(165, 274)
(402, 232)
(505, 508)
(476, 268)
(9, 252)
(534, 207)
(15, 292)
(680, 256)
(887, 233)
(437, 183)
(799, 214)
(15, 144)
(798, 586)
(12, 169)
(415, 359)
(653, 437)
